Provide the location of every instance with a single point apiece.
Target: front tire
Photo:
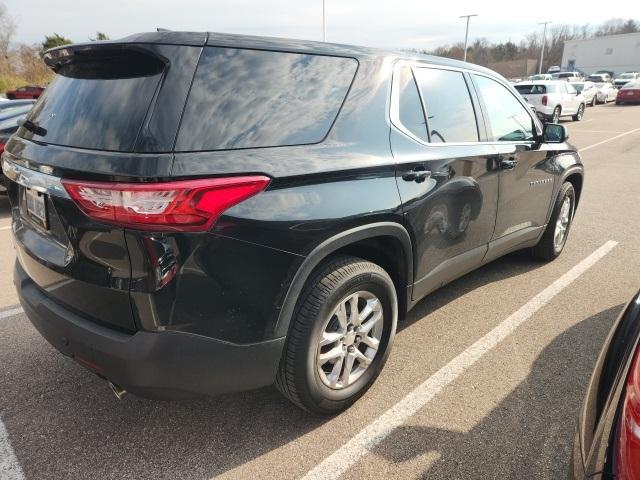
(340, 337)
(555, 116)
(555, 235)
(593, 101)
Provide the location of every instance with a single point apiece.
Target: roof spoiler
(61, 56)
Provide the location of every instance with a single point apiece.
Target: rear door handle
(508, 163)
(416, 175)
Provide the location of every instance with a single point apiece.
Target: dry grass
(23, 66)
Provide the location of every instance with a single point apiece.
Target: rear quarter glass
(244, 98)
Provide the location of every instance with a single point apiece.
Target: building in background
(616, 53)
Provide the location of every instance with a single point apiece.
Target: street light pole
(466, 33)
(324, 22)
(544, 40)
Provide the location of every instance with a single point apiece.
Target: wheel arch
(576, 177)
(387, 244)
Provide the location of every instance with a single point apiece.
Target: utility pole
(324, 22)
(544, 40)
(466, 33)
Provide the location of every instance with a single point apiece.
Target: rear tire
(579, 114)
(551, 245)
(324, 322)
(593, 101)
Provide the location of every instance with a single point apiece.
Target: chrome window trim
(394, 106)
(33, 179)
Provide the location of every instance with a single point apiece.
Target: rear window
(531, 89)
(250, 98)
(450, 117)
(98, 101)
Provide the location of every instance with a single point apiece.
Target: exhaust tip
(118, 391)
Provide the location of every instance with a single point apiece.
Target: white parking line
(347, 455)
(597, 131)
(609, 140)
(11, 312)
(9, 467)
(8, 227)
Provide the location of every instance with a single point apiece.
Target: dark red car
(28, 91)
(630, 93)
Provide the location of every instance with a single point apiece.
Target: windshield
(579, 86)
(539, 77)
(626, 75)
(630, 85)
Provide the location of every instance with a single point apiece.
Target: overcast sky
(380, 23)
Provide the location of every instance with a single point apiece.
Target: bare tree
(7, 29)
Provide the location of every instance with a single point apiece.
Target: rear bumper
(153, 365)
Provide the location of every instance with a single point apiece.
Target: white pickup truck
(553, 99)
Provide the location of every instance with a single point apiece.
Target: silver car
(626, 77)
(606, 92)
(588, 91)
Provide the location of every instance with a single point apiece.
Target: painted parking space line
(629, 132)
(8, 227)
(11, 312)
(596, 131)
(9, 467)
(351, 452)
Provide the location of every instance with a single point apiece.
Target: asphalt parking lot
(484, 381)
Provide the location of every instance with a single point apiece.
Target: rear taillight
(186, 205)
(627, 455)
(544, 100)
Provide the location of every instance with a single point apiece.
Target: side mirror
(554, 133)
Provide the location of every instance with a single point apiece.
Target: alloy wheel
(350, 340)
(562, 224)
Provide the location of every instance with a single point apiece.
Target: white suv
(553, 99)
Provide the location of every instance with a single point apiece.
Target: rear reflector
(186, 205)
(627, 456)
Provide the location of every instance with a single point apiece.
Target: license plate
(37, 207)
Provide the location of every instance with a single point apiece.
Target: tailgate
(81, 265)
(111, 113)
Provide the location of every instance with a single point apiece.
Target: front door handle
(508, 163)
(417, 176)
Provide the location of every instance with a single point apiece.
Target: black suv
(199, 213)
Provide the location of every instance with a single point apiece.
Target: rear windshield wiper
(32, 127)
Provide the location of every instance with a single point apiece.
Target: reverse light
(185, 205)
(627, 448)
(544, 100)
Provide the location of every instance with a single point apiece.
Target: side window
(508, 118)
(571, 89)
(447, 103)
(409, 106)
